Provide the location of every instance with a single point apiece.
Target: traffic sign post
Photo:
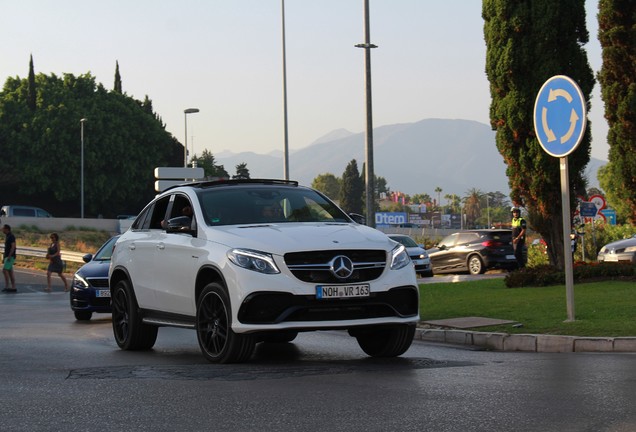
(560, 118)
(588, 209)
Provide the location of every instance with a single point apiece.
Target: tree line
(123, 140)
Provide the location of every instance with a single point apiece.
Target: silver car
(418, 254)
(619, 251)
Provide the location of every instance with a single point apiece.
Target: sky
(224, 57)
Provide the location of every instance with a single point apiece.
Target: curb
(527, 342)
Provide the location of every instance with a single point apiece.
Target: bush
(545, 275)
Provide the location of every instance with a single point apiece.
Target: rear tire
(475, 265)
(218, 343)
(131, 334)
(386, 341)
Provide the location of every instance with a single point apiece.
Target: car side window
(181, 206)
(159, 212)
(465, 238)
(143, 219)
(448, 241)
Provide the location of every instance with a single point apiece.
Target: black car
(89, 290)
(474, 251)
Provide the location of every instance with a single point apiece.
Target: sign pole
(567, 248)
(560, 117)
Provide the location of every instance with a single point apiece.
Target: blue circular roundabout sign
(560, 116)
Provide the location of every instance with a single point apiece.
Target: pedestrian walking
(518, 236)
(8, 259)
(56, 265)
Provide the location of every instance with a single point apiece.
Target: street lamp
(369, 172)
(488, 209)
(82, 168)
(185, 146)
(285, 130)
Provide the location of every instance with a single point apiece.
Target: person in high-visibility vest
(518, 235)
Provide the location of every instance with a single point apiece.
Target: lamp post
(185, 145)
(285, 130)
(488, 209)
(369, 172)
(82, 168)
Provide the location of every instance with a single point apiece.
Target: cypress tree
(352, 189)
(527, 42)
(31, 91)
(617, 35)
(117, 87)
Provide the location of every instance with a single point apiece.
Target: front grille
(98, 282)
(101, 301)
(313, 266)
(276, 307)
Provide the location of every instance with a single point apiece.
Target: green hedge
(544, 275)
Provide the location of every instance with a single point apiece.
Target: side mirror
(86, 258)
(358, 218)
(179, 224)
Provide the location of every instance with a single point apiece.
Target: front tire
(131, 334)
(386, 341)
(280, 337)
(83, 315)
(218, 343)
(475, 265)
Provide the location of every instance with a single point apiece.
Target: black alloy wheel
(218, 343)
(129, 330)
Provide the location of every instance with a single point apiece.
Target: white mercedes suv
(250, 261)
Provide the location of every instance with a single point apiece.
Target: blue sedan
(90, 292)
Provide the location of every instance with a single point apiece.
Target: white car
(249, 261)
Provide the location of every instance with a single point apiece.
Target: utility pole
(369, 173)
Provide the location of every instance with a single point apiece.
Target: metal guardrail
(41, 252)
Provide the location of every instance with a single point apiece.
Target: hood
(94, 269)
(620, 244)
(292, 237)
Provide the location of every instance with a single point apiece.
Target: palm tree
(439, 199)
(472, 206)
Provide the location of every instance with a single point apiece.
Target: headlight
(630, 249)
(399, 258)
(253, 260)
(79, 282)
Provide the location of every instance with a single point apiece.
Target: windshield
(255, 204)
(106, 250)
(405, 240)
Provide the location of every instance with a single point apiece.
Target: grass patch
(601, 308)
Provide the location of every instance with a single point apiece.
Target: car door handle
(161, 246)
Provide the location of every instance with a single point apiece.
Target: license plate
(102, 293)
(510, 257)
(342, 291)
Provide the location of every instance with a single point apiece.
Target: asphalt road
(60, 374)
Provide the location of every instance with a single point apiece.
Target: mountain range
(414, 158)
